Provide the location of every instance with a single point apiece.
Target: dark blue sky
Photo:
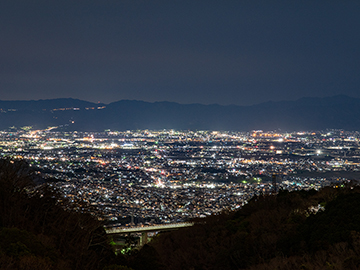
(225, 52)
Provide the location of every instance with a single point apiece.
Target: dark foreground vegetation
(37, 233)
(297, 230)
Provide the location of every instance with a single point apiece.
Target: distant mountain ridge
(338, 112)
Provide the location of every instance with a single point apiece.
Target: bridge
(144, 230)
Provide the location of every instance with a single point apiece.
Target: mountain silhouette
(336, 112)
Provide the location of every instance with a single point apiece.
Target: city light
(173, 176)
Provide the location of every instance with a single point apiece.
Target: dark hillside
(37, 233)
(273, 232)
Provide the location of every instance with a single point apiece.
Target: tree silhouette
(77, 239)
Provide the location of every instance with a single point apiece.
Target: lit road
(162, 227)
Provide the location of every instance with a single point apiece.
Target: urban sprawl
(155, 177)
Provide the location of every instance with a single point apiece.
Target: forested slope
(37, 233)
(297, 230)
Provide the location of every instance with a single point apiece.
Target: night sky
(226, 52)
